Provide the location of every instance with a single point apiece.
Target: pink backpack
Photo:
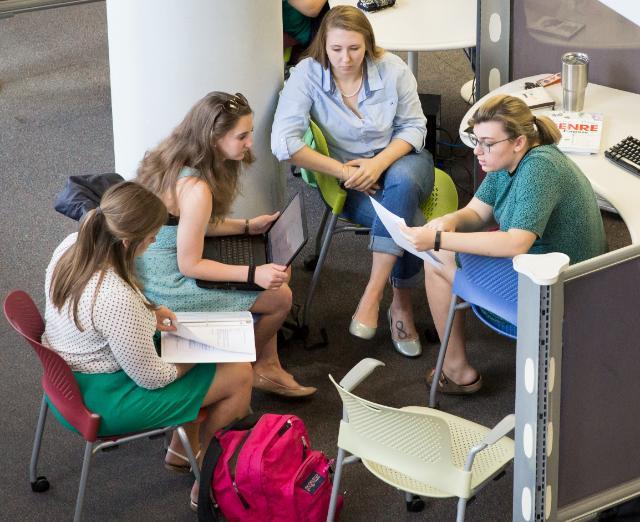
(262, 469)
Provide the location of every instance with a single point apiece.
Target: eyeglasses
(486, 147)
(233, 104)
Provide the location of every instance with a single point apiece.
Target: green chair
(443, 199)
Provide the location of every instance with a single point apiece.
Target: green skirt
(125, 407)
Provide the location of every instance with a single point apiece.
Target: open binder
(203, 337)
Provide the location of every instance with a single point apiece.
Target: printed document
(392, 223)
(210, 337)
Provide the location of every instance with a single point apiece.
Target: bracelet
(246, 227)
(437, 240)
(251, 274)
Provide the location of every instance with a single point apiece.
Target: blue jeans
(404, 185)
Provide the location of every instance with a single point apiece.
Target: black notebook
(280, 245)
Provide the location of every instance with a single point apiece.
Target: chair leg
(462, 506)
(443, 350)
(413, 502)
(335, 491)
(84, 475)
(38, 484)
(310, 262)
(321, 228)
(326, 242)
(195, 469)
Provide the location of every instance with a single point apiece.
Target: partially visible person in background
(300, 21)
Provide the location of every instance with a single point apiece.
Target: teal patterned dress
(164, 284)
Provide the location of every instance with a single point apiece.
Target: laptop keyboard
(236, 251)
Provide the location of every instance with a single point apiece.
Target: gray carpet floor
(55, 121)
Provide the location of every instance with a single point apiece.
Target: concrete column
(164, 55)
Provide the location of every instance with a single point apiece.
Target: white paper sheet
(392, 224)
(210, 337)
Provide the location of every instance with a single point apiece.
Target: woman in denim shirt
(366, 103)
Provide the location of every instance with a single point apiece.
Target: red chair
(61, 388)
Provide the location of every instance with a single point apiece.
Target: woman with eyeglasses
(366, 102)
(195, 172)
(537, 197)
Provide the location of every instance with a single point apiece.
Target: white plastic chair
(419, 450)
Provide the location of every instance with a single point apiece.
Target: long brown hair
(192, 144)
(348, 18)
(517, 120)
(127, 211)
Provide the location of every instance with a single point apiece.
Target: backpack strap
(245, 423)
(206, 509)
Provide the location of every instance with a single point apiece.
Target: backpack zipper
(283, 429)
(244, 502)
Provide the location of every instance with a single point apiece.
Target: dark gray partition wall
(578, 389)
(543, 30)
(599, 446)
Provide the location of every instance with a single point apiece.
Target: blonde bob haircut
(348, 18)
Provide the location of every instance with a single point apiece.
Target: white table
(621, 110)
(423, 25)
(602, 28)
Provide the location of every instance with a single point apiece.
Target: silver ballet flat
(361, 330)
(409, 348)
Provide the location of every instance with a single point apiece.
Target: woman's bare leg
(381, 266)
(227, 399)
(401, 306)
(438, 283)
(274, 306)
(193, 434)
(404, 326)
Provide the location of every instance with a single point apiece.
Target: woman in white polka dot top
(98, 320)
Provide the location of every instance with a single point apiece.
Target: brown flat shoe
(448, 387)
(262, 383)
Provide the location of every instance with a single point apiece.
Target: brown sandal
(179, 468)
(448, 387)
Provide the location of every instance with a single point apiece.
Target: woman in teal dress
(539, 199)
(195, 172)
(99, 322)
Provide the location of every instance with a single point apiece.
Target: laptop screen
(288, 234)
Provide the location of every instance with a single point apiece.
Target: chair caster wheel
(40, 485)
(310, 263)
(415, 505)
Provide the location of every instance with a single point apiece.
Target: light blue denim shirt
(388, 103)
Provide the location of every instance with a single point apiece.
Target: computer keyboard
(237, 250)
(626, 154)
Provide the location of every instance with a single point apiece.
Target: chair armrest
(359, 373)
(499, 430)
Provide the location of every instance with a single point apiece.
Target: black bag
(83, 193)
